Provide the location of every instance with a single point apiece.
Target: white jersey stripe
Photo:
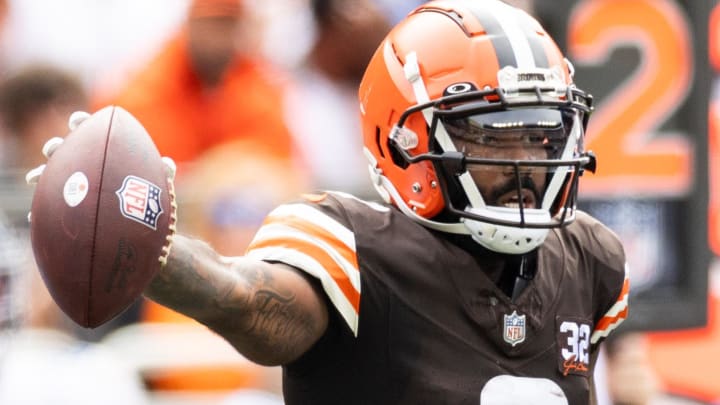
(612, 312)
(272, 230)
(618, 307)
(374, 205)
(312, 215)
(315, 269)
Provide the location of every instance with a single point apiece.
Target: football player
(475, 279)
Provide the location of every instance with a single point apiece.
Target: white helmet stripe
(518, 40)
(509, 38)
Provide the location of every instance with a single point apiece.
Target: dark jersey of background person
(416, 318)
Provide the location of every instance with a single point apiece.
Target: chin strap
(523, 278)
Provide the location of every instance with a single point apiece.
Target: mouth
(512, 199)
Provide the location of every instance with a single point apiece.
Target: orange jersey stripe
(316, 232)
(608, 320)
(320, 255)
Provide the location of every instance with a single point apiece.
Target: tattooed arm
(269, 312)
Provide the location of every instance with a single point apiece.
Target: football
(101, 217)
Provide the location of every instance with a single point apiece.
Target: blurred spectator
(35, 103)
(236, 195)
(208, 86)
(322, 109)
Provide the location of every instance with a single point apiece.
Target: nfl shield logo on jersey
(514, 331)
(140, 201)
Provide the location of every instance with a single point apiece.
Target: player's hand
(103, 220)
(52, 145)
(32, 176)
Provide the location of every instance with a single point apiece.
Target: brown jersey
(416, 320)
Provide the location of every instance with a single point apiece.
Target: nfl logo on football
(514, 331)
(140, 201)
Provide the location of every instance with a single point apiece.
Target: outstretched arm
(269, 312)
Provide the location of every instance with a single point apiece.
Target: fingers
(76, 119)
(51, 145)
(33, 175)
(32, 178)
(170, 167)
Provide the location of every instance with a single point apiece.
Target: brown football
(100, 217)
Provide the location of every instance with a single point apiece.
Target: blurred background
(255, 100)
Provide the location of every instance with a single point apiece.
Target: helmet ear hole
(397, 158)
(378, 143)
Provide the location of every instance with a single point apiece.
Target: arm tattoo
(273, 316)
(242, 301)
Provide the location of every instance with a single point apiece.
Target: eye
(489, 139)
(535, 138)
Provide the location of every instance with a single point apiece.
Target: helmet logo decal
(459, 88)
(510, 79)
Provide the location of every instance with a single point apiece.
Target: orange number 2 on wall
(635, 160)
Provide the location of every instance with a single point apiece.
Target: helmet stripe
(504, 49)
(515, 44)
(537, 47)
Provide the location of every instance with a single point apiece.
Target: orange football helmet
(460, 89)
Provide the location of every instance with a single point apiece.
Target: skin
(497, 184)
(271, 313)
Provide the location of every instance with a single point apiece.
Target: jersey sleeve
(611, 281)
(306, 236)
(617, 313)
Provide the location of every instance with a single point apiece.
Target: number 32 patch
(573, 342)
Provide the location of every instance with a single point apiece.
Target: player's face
(515, 135)
(498, 184)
